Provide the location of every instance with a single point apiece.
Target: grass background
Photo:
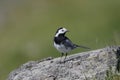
(27, 28)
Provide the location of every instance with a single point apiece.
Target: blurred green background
(27, 28)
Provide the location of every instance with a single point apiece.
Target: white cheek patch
(62, 31)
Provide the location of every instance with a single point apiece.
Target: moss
(111, 76)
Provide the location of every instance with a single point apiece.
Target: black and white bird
(62, 43)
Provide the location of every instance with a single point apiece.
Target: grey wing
(68, 44)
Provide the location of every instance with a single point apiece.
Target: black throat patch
(60, 38)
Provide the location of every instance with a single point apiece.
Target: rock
(82, 66)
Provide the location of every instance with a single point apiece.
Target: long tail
(82, 46)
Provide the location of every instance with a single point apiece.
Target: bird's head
(61, 31)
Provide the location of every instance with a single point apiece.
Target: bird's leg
(65, 57)
(61, 56)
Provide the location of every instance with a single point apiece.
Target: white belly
(62, 48)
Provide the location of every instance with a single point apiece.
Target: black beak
(67, 31)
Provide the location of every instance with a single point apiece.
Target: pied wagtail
(64, 44)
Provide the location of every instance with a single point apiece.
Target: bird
(63, 44)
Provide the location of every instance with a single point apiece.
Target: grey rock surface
(82, 66)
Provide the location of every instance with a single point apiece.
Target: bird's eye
(62, 30)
